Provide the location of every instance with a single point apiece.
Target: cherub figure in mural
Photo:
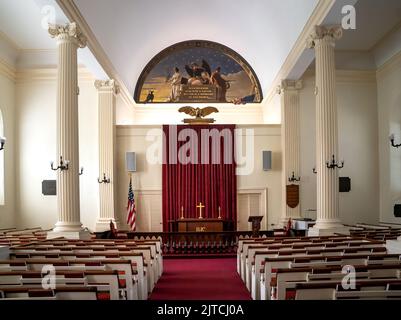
(199, 75)
(175, 81)
(221, 84)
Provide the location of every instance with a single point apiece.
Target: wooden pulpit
(255, 220)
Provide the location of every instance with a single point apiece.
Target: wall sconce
(2, 143)
(105, 180)
(334, 164)
(293, 178)
(81, 172)
(63, 165)
(314, 171)
(392, 142)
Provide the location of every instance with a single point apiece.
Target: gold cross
(200, 206)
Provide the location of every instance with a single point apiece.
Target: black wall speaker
(267, 160)
(345, 184)
(49, 187)
(130, 158)
(397, 210)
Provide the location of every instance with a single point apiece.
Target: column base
(77, 235)
(394, 246)
(69, 230)
(103, 224)
(317, 230)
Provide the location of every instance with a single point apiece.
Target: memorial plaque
(49, 187)
(292, 195)
(204, 93)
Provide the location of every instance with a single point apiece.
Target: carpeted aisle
(200, 279)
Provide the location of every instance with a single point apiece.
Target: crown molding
(9, 41)
(345, 76)
(318, 15)
(48, 74)
(393, 63)
(7, 70)
(73, 14)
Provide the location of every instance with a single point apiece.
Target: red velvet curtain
(199, 166)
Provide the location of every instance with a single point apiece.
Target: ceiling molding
(48, 74)
(7, 70)
(317, 17)
(393, 63)
(345, 76)
(73, 14)
(9, 41)
(385, 37)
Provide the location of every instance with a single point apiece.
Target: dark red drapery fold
(213, 183)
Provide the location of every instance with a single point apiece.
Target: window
(1, 163)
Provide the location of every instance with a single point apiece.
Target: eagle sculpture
(198, 113)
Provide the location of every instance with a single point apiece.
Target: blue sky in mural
(189, 55)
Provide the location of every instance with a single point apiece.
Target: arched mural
(198, 71)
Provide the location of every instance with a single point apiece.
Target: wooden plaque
(292, 195)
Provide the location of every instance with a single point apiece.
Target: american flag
(131, 210)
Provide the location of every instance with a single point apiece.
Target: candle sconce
(392, 139)
(105, 179)
(2, 143)
(293, 178)
(63, 165)
(334, 164)
(314, 171)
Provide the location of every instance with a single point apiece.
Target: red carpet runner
(200, 279)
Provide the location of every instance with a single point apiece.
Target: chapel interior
(149, 143)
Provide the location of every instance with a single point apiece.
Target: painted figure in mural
(150, 96)
(175, 81)
(199, 75)
(221, 84)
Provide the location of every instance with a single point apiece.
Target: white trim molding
(7, 70)
(49, 74)
(393, 63)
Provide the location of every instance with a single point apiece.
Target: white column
(107, 91)
(290, 143)
(328, 218)
(69, 39)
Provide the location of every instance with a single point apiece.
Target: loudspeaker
(49, 187)
(130, 158)
(397, 210)
(267, 160)
(345, 184)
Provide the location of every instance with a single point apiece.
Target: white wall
(358, 145)
(36, 139)
(147, 181)
(7, 106)
(168, 114)
(389, 102)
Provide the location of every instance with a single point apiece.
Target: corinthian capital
(109, 84)
(320, 32)
(68, 31)
(287, 85)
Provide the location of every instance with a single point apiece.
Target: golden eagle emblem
(199, 114)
